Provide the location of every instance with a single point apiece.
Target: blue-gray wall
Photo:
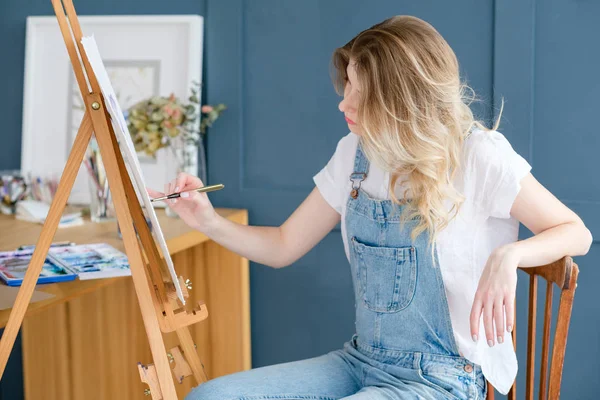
(268, 61)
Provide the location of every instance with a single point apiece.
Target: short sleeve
(332, 180)
(496, 170)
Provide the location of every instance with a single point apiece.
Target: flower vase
(201, 170)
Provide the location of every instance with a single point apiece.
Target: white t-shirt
(489, 179)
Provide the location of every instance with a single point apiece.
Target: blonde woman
(429, 202)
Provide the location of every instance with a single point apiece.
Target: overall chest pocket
(387, 276)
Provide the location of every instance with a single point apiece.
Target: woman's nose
(345, 107)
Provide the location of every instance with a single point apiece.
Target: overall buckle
(356, 176)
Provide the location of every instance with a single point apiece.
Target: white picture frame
(144, 55)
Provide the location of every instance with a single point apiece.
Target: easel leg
(185, 338)
(191, 355)
(132, 247)
(43, 245)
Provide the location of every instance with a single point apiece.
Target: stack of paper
(37, 211)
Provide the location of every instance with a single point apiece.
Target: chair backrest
(563, 273)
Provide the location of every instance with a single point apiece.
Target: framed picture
(144, 56)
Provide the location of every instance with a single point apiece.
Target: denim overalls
(404, 346)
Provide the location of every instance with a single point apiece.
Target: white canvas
(128, 150)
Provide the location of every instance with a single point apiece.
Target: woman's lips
(348, 120)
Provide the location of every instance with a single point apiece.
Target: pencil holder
(101, 205)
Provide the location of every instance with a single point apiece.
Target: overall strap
(361, 168)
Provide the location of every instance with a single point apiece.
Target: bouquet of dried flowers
(160, 122)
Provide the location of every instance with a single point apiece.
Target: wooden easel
(161, 311)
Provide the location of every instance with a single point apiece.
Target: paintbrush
(199, 190)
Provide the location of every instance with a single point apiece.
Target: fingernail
(177, 189)
(509, 328)
(500, 339)
(185, 194)
(474, 338)
(490, 343)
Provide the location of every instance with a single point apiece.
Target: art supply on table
(43, 188)
(203, 189)
(13, 188)
(101, 206)
(37, 211)
(86, 261)
(55, 244)
(91, 261)
(14, 264)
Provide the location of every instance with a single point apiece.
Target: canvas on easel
(126, 145)
(160, 294)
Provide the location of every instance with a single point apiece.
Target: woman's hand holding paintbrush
(194, 207)
(177, 195)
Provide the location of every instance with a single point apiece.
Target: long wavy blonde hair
(414, 114)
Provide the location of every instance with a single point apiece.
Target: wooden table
(85, 342)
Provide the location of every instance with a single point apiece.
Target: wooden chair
(563, 273)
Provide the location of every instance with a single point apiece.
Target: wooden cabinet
(85, 342)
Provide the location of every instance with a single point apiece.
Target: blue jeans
(355, 373)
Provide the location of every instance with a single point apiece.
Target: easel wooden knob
(176, 317)
(181, 368)
(172, 292)
(149, 376)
